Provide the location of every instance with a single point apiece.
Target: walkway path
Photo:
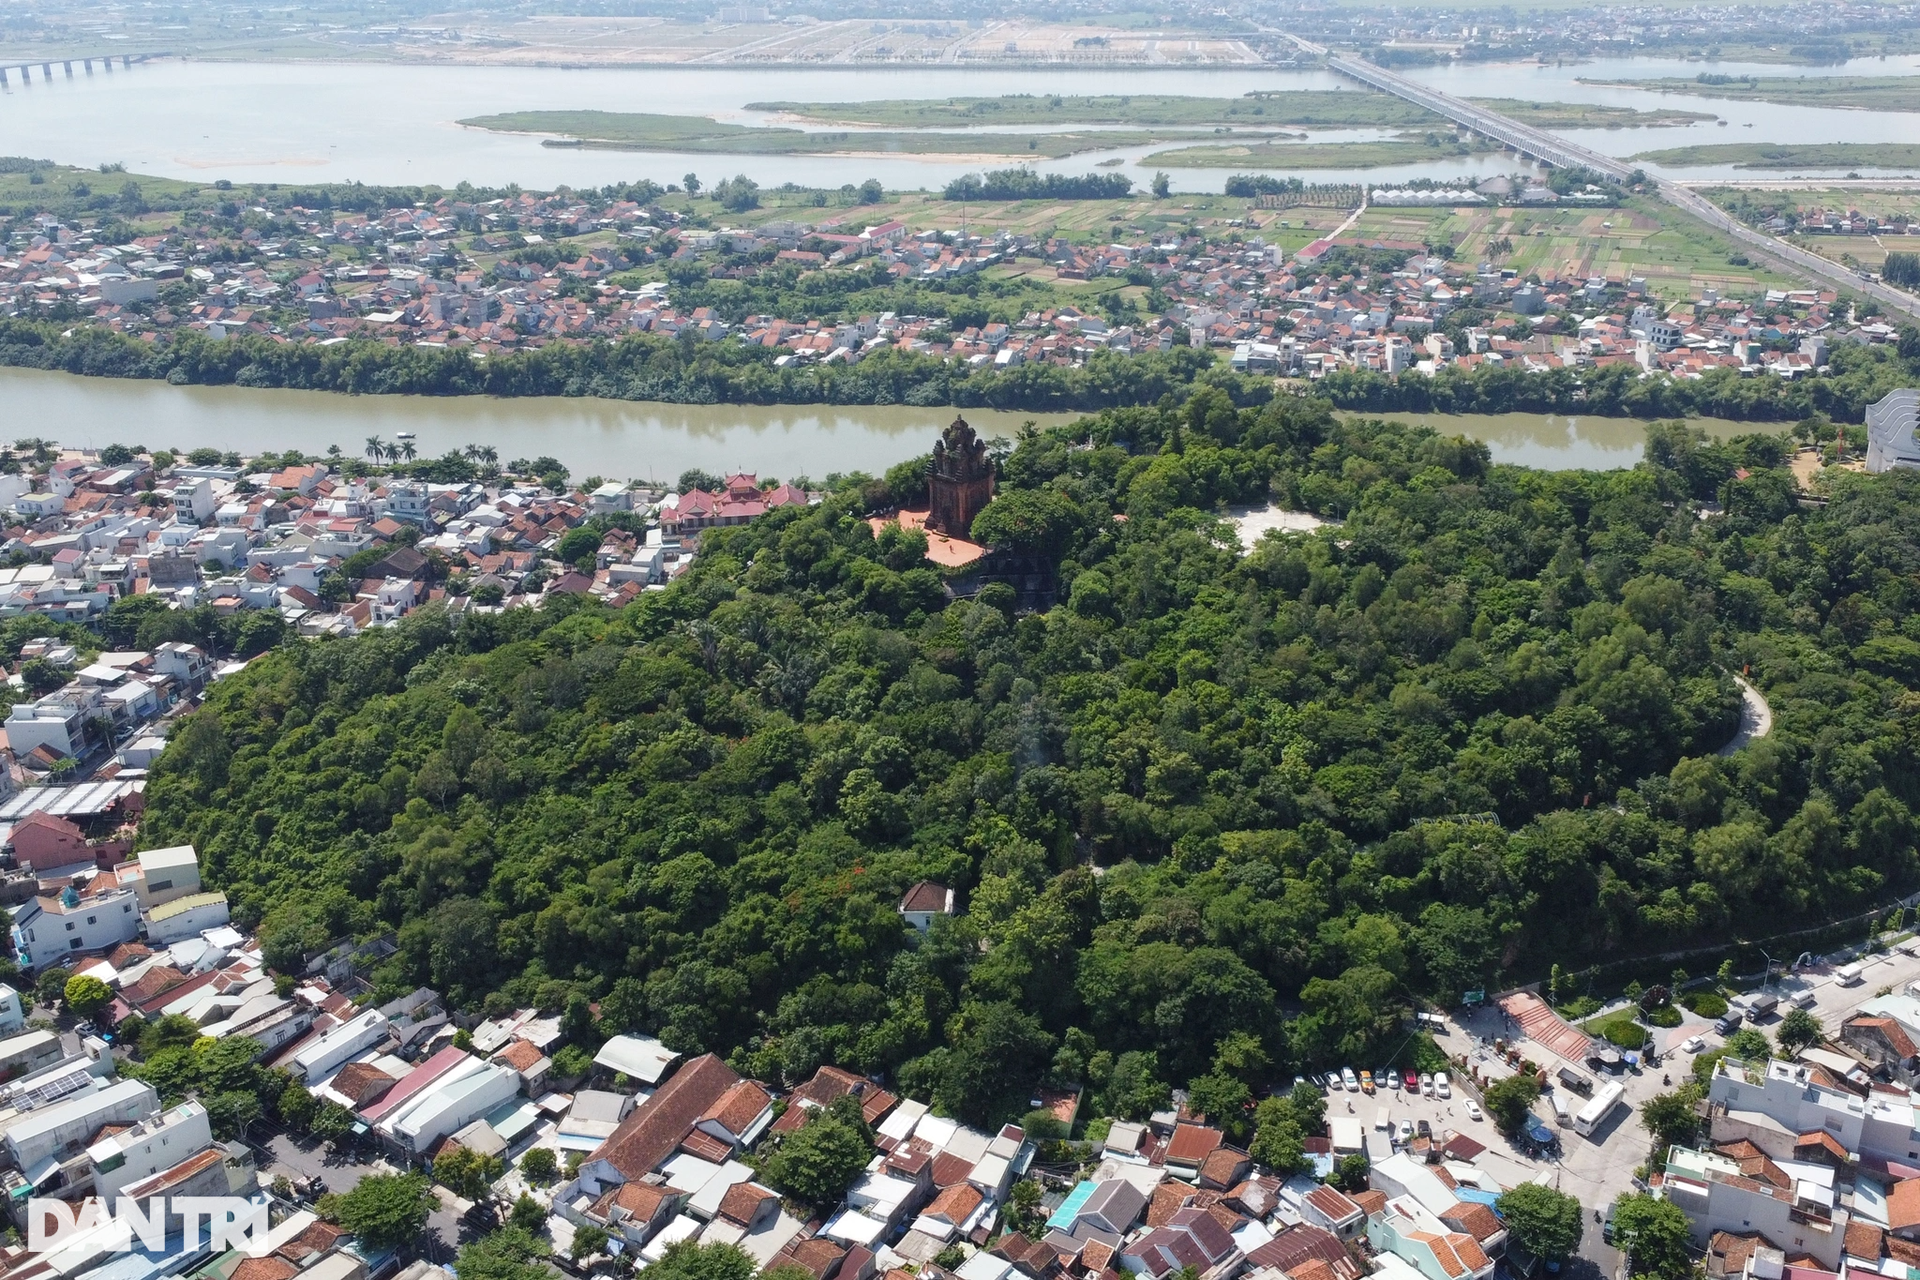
(1541, 1024)
(1756, 717)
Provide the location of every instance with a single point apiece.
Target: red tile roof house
(634, 1211)
(1297, 1244)
(1189, 1148)
(829, 1084)
(920, 904)
(1326, 1207)
(1881, 1040)
(655, 1129)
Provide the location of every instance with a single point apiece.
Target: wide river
(333, 122)
(628, 440)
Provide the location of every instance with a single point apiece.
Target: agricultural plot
(1678, 256)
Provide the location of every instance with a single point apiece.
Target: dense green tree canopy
(386, 1210)
(1547, 1223)
(1467, 732)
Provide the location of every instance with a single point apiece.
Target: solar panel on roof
(52, 1090)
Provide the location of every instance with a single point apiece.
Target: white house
(50, 928)
(920, 904)
(158, 876)
(45, 1136)
(149, 1147)
(1891, 421)
(181, 918)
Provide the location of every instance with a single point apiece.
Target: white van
(1849, 975)
(1383, 1121)
(1560, 1112)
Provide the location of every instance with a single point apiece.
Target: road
(1756, 717)
(1554, 150)
(1790, 258)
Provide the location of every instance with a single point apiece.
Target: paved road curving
(1756, 717)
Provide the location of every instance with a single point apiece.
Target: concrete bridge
(1556, 151)
(127, 61)
(1528, 141)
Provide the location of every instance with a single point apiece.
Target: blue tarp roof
(1062, 1218)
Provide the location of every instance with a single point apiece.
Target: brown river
(635, 440)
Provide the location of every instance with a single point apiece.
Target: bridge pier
(3, 78)
(107, 62)
(88, 64)
(126, 62)
(69, 66)
(46, 72)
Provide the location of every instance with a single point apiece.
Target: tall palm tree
(471, 453)
(407, 450)
(489, 455)
(376, 448)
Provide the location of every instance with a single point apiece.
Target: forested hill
(1463, 736)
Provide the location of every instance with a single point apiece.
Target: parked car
(1388, 1077)
(1473, 1110)
(1366, 1082)
(1426, 1129)
(1413, 1081)
(1442, 1087)
(1694, 1044)
(1348, 1079)
(1406, 1132)
(1426, 1083)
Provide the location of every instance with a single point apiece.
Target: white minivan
(1441, 1089)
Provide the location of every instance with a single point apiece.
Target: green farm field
(1677, 255)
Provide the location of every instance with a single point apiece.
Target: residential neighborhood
(486, 275)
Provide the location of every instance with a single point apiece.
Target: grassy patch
(641, 131)
(1664, 1016)
(1768, 155)
(1589, 115)
(1678, 254)
(1620, 1030)
(1406, 149)
(1583, 1007)
(1708, 1004)
(1281, 107)
(1865, 93)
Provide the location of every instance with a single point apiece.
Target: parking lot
(1599, 1168)
(282, 1155)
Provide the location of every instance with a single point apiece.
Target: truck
(1574, 1080)
(1759, 1004)
(1595, 1113)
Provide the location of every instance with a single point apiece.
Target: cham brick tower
(959, 481)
